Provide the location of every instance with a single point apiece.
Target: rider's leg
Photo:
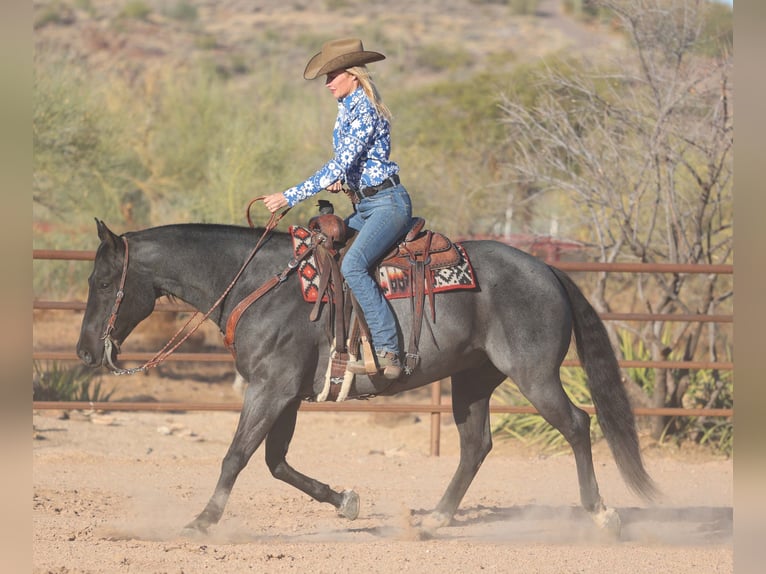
(380, 221)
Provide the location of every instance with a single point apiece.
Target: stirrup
(386, 362)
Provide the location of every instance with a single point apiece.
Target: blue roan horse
(517, 323)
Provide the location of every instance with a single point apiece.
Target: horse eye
(104, 285)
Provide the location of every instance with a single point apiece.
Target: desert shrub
(206, 42)
(182, 11)
(136, 10)
(440, 57)
(53, 13)
(718, 35)
(82, 161)
(54, 382)
(523, 7)
(708, 389)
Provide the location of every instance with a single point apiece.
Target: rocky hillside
(422, 39)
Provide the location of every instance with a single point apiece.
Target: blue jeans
(379, 221)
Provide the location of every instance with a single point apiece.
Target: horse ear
(106, 234)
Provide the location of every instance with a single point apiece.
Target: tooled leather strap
(419, 271)
(242, 306)
(120, 293)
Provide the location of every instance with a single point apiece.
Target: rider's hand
(335, 187)
(275, 202)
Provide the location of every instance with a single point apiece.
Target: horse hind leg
(547, 395)
(471, 391)
(277, 443)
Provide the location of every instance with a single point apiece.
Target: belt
(373, 189)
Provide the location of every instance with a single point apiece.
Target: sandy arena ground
(112, 492)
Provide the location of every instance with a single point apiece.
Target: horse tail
(613, 409)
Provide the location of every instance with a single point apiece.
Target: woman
(361, 165)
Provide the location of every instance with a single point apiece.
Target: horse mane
(193, 227)
(171, 298)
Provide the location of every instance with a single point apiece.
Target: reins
(174, 341)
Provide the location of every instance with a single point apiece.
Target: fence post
(436, 417)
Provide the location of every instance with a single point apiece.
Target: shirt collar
(352, 99)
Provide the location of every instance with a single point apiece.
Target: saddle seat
(435, 249)
(418, 244)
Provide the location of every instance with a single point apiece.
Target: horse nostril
(85, 357)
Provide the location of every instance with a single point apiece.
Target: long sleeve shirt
(362, 144)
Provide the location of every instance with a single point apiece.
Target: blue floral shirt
(362, 142)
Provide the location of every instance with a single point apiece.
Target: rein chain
(167, 350)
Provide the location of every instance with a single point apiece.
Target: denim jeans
(379, 221)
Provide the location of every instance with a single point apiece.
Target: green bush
(54, 13)
(523, 7)
(53, 382)
(83, 160)
(183, 11)
(718, 35)
(707, 389)
(136, 10)
(206, 42)
(440, 57)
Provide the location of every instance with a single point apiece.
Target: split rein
(176, 340)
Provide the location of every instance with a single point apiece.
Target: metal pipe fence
(435, 408)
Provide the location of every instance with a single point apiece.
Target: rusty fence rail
(435, 407)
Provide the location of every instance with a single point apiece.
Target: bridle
(176, 340)
(109, 342)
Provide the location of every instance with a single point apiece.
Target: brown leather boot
(389, 363)
(385, 361)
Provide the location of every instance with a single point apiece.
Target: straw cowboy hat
(339, 55)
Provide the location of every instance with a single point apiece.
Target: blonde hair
(362, 74)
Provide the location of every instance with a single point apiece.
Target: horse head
(111, 313)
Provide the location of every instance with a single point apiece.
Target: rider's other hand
(275, 201)
(335, 187)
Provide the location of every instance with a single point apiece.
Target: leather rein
(176, 340)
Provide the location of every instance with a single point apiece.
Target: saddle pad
(394, 282)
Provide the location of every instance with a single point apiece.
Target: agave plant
(53, 382)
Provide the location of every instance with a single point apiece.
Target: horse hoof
(194, 529)
(432, 522)
(608, 521)
(349, 505)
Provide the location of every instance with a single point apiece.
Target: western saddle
(417, 254)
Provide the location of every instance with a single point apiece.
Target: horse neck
(197, 264)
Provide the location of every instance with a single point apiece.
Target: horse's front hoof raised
(349, 505)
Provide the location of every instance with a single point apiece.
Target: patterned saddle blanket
(450, 269)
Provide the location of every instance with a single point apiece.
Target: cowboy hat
(339, 55)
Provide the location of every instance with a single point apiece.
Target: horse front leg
(255, 422)
(277, 444)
